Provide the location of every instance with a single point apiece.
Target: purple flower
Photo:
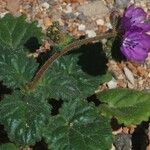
(136, 46)
(134, 19)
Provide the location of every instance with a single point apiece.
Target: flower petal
(128, 12)
(134, 19)
(137, 54)
(145, 41)
(145, 26)
(138, 15)
(135, 46)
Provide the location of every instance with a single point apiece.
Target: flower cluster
(136, 41)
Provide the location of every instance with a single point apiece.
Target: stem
(57, 55)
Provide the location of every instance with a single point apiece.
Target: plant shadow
(3, 134)
(115, 50)
(32, 44)
(139, 137)
(92, 59)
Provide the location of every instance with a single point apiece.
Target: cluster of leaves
(26, 115)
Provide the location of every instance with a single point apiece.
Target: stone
(121, 3)
(112, 84)
(90, 33)
(81, 27)
(129, 75)
(13, 5)
(47, 22)
(100, 22)
(45, 5)
(95, 8)
(68, 9)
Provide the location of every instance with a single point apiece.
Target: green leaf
(8, 146)
(128, 106)
(16, 69)
(78, 127)
(15, 32)
(24, 117)
(66, 80)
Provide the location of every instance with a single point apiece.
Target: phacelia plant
(67, 77)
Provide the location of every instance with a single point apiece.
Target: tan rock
(47, 22)
(96, 8)
(13, 5)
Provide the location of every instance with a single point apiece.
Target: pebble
(121, 3)
(90, 33)
(108, 25)
(3, 14)
(112, 84)
(45, 5)
(81, 17)
(131, 86)
(81, 27)
(68, 16)
(100, 22)
(95, 8)
(104, 41)
(68, 9)
(129, 75)
(47, 22)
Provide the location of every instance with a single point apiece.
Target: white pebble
(3, 14)
(104, 41)
(112, 84)
(81, 27)
(108, 25)
(129, 75)
(45, 5)
(68, 9)
(100, 22)
(76, 14)
(90, 33)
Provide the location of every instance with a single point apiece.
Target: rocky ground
(87, 18)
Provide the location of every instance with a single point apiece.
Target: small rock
(95, 8)
(113, 148)
(112, 84)
(45, 5)
(123, 141)
(108, 25)
(130, 86)
(68, 9)
(81, 27)
(129, 75)
(68, 16)
(100, 22)
(81, 17)
(13, 5)
(3, 14)
(76, 14)
(90, 33)
(47, 22)
(104, 41)
(121, 3)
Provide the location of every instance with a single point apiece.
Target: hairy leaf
(15, 32)
(8, 146)
(16, 69)
(66, 80)
(16, 36)
(128, 106)
(23, 118)
(78, 127)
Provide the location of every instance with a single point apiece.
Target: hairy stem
(57, 55)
